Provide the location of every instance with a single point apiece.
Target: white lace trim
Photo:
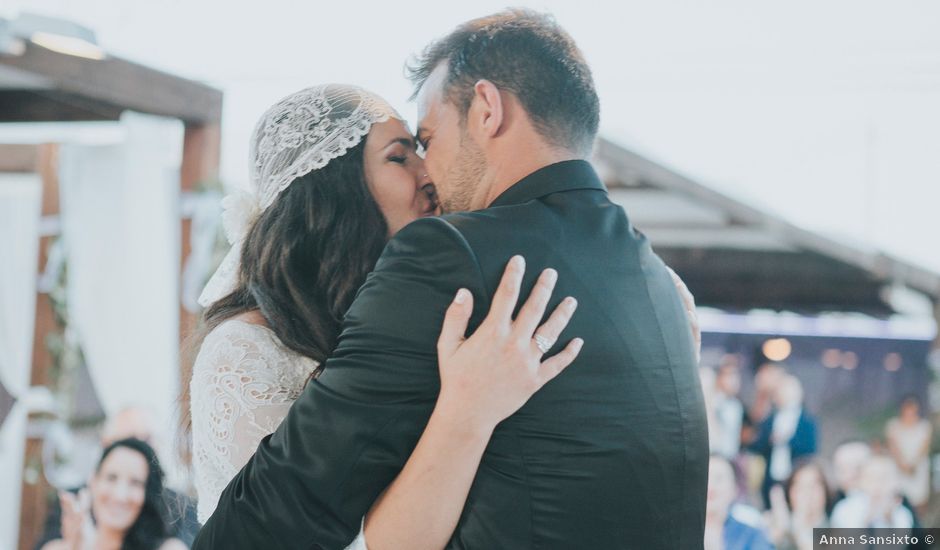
(244, 382)
(304, 131)
(297, 135)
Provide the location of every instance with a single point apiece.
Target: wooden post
(35, 488)
(200, 163)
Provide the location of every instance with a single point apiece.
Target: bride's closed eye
(402, 151)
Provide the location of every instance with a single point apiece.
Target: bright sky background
(825, 112)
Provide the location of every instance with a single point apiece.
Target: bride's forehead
(383, 134)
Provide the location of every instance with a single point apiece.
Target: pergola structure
(42, 85)
(736, 257)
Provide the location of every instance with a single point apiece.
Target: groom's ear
(489, 111)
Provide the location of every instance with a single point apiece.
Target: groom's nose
(421, 174)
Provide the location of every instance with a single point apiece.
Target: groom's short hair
(526, 53)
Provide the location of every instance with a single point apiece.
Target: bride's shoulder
(249, 324)
(239, 333)
(242, 344)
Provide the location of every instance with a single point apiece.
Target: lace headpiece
(297, 135)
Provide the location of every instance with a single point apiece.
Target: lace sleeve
(688, 301)
(244, 382)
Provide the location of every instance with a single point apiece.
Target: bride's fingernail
(461, 296)
(518, 262)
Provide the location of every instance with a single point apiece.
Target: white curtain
(20, 209)
(121, 225)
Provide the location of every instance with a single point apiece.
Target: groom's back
(613, 453)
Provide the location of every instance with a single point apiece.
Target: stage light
(849, 360)
(777, 349)
(831, 358)
(893, 362)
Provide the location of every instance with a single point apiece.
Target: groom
(611, 454)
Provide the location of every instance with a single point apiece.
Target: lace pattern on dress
(244, 382)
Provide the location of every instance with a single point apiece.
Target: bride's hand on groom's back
(490, 375)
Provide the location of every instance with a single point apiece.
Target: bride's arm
(484, 379)
(233, 404)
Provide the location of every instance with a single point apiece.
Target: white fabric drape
(20, 209)
(120, 222)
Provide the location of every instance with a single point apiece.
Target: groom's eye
(422, 143)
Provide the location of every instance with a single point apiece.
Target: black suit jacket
(613, 453)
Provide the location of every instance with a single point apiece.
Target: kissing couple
(392, 356)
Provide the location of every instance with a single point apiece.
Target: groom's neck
(509, 165)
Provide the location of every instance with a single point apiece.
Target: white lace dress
(244, 382)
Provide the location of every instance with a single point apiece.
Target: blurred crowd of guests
(768, 487)
(125, 503)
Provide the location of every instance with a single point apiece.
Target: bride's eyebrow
(407, 142)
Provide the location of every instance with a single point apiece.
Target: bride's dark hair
(304, 259)
(306, 256)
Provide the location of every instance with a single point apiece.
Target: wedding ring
(544, 344)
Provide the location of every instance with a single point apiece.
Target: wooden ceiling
(736, 257)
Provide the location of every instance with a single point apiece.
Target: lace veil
(297, 135)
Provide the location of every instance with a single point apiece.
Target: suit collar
(567, 175)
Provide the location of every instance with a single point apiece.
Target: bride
(335, 173)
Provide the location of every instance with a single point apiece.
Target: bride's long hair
(306, 256)
(303, 261)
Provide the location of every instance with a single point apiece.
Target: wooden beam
(797, 281)
(619, 160)
(201, 145)
(122, 84)
(35, 494)
(52, 106)
(18, 158)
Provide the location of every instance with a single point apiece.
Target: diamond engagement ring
(544, 344)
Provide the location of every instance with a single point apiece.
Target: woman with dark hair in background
(799, 506)
(123, 506)
(335, 173)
